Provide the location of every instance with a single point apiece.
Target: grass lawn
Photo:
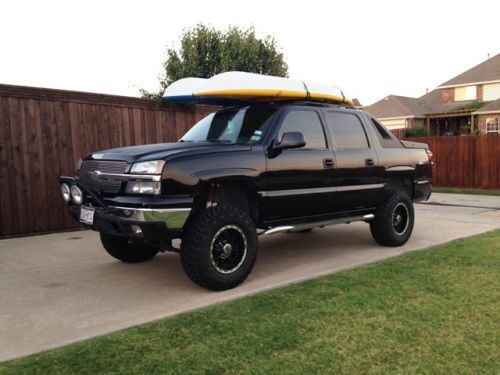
(433, 311)
(465, 191)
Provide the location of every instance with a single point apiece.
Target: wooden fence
(466, 161)
(44, 132)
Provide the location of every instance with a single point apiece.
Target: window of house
(307, 123)
(465, 93)
(491, 91)
(492, 125)
(348, 132)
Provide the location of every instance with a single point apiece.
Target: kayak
(240, 87)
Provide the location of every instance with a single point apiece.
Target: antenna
(308, 94)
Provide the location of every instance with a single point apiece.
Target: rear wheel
(121, 248)
(394, 220)
(219, 247)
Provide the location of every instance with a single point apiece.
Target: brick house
(466, 104)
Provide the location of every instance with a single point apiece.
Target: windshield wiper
(216, 140)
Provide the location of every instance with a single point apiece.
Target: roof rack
(312, 103)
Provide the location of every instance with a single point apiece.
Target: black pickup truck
(245, 171)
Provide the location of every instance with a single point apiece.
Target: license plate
(87, 215)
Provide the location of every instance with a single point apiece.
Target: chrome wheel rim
(400, 218)
(228, 249)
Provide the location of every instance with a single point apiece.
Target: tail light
(430, 155)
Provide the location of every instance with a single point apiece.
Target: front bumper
(153, 225)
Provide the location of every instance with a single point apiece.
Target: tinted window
(381, 130)
(307, 123)
(244, 125)
(387, 139)
(347, 130)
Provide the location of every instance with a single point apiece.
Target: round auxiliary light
(65, 192)
(76, 194)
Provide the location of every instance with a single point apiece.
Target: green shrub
(417, 131)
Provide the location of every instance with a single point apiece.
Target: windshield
(242, 125)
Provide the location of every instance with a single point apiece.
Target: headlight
(148, 167)
(65, 192)
(76, 194)
(140, 187)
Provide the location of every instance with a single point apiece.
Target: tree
(205, 52)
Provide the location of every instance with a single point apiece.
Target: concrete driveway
(63, 288)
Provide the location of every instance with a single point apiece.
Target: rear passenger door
(356, 171)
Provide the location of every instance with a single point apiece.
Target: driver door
(299, 180)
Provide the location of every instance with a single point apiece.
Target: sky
(368, 48)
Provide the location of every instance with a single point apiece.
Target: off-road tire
(201, 243)
(121, 249)
(385, 227)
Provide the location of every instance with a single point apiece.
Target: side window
(387, 140)
(347, 130)
(381, 130)
(307, 123)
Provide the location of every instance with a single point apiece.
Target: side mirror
(290, 140)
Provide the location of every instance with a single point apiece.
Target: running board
(300, 227)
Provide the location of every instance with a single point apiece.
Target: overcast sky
(368, 48)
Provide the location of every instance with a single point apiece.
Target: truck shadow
(279, 256)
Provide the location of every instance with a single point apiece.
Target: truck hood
(164, 151)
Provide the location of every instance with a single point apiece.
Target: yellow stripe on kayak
(240, 93)
(271, 93)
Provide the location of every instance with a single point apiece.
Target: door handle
(369, 162)
(328, 163)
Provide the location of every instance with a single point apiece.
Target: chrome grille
(107, 166)
(104, 166)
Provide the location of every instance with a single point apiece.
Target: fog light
(76, 194)
(65, 192)
(136, 229)
(139, 187)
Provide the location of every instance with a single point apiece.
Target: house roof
(490, 106)
(398, 106)
(487, 71)
(430, 103)
(434, 102)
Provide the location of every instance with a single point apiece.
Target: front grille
(107, 166)
(104, 166)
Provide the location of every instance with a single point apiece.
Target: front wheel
(394, 220)
(219, 247)
(121, 248)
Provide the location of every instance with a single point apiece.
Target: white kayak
(234, 87)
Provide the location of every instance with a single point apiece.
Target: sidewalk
(464, 200)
